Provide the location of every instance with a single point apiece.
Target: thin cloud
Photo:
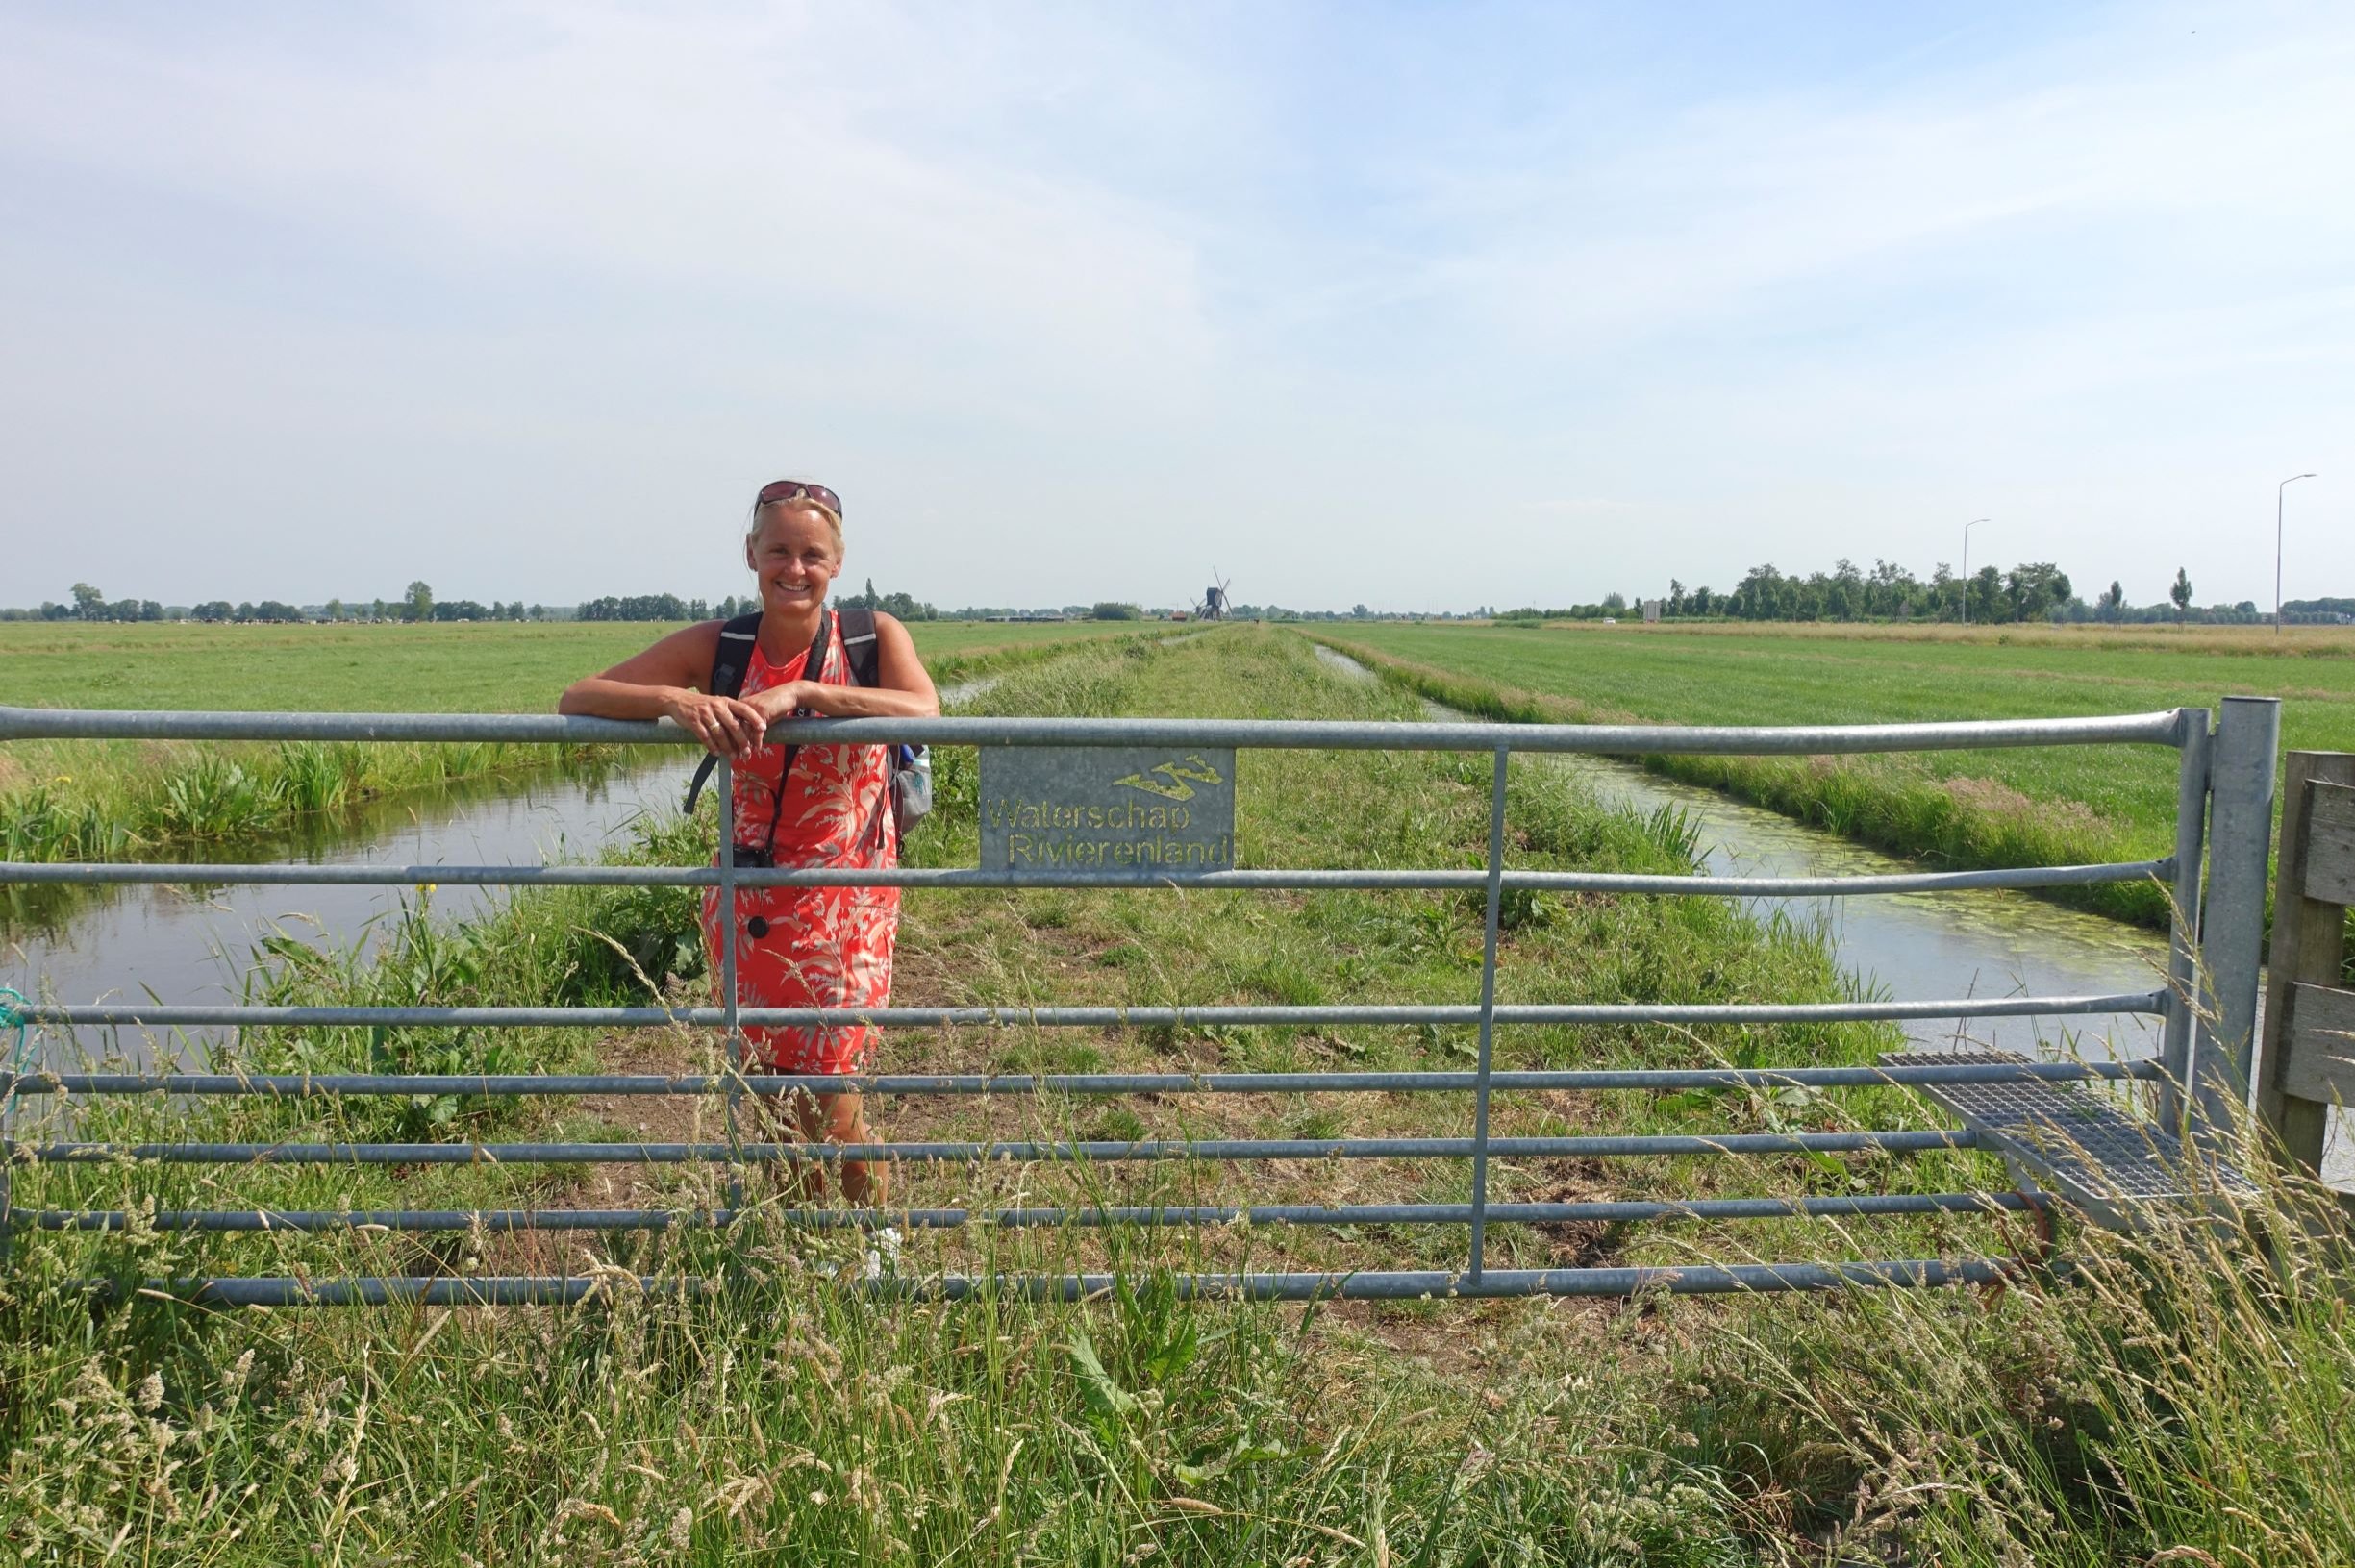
(1071, 303)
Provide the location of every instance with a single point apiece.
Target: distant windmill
(1214, 598)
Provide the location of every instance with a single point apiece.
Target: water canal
(195, 945)
(1971, 944)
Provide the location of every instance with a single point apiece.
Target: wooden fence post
(2308, 1043)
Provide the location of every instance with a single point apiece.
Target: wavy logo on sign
(1175, 787)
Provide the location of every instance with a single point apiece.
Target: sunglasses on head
(794, 489)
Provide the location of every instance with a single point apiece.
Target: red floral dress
(812, 946)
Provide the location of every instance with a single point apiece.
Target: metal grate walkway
(2079, 1144)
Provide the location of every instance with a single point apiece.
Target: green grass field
(453, 668)
(1973, 809)
(61, 800)
(2175, 1399)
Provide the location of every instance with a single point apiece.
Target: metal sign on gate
(1161, 811)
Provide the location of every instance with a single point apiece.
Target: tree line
(669, 607)
(417, 604)
(2029, 592)
(2037, 590)
(649, 607)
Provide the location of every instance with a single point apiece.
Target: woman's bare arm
(663, 683)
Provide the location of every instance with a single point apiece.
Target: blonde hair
(761, 512)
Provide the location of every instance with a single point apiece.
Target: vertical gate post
(12, 1017)
(2231, 927)
(2183, 923)
(728, 1000)
(1488, 1016)
(2309, 932)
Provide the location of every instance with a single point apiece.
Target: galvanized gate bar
(1597, 1012)
(2183, 925)
(1013, 1151)
(1683, 1280)
(504, 1220)
(77, 874)
(731, 993)
(2160, 729)
(312, 1085)
(1487, 1009)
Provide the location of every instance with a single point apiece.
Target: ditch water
(195, 945)
(1973, 943)
(1977, 943)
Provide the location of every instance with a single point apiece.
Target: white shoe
(883, 1256)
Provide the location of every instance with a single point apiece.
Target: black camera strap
(732, 662)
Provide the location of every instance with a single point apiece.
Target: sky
(1418, 307)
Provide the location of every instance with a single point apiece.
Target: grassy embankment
(90, 800)
(2044, 807)
(2174, 1401)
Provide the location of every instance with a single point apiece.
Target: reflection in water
(1981, 942)
(330, 838)
(194, 945)
(964, 691)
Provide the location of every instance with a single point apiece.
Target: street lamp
(2277, 494)
(1966, 528)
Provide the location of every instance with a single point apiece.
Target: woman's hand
(782, 702)
(727, 726)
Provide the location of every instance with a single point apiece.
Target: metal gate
(2058, 1137)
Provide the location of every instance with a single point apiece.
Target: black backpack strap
(859, 646)
(731, 658)
(813, 669)
(731, 654)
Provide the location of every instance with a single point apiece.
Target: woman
(797, 807)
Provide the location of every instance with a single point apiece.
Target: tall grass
(2171, 1398)
(792, 1419)
(2178, 1395)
